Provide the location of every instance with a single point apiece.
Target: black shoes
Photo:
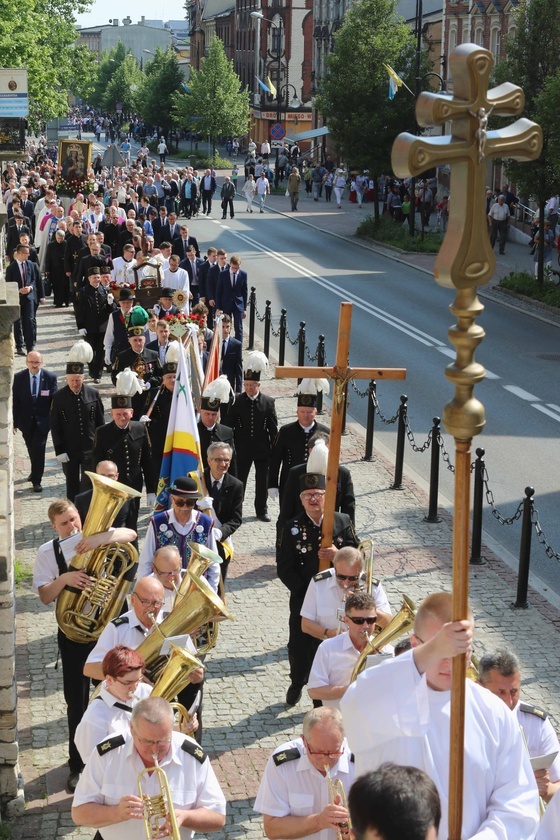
(293, 695)
(37, 488)
(264, 517)
(73, 779)
(21, 352)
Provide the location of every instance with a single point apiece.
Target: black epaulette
(192, 748)
(110, 744)
(533, 710)
(352, 758)
(323, 575)
(286, 755)
(121, 619)
(374, 581)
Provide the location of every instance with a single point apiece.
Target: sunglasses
(358, 619)
(183, 502)
(347, 577)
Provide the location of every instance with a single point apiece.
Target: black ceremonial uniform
(159, 419)
(255, 427)
(291, 503)
(218, 434)
(74, 419)
(290, 448)
(92, 313)
(148, 368)
(296, 562)
(74, 244)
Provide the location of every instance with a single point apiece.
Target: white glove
(110, 298)
(145, 419)
(83, 331)
(150, 499)
(63, 458)
(205, 503)
(145, 385)
(108, 361)
(217, 534)
(273, 494)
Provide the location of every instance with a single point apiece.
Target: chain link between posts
(549, 551)
(446, 457)
(503, 520)
(411, 440)
(388, 422)
(259, 317)
(292, 341)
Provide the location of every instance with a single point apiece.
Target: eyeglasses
(309, 496)
(221, 460)
(347, 577)
(333, 754)
(358, 619)
(183, 502)
(144, 742)
(149, 602)
(127, 683)
(170, 574)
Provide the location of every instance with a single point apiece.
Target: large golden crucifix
(465, 261)
(340, 374)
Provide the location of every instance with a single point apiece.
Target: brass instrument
(336, 789)
(472, 670)
(82, 614)
(201, 558)
(366, 550)
(158, 809)
(401, 623)
(175, 676)
(199, 605)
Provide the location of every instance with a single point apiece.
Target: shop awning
(309, 135)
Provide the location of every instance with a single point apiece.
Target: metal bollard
(252, 311)
(370, 422)
(401, 432)
(320, 363)
(282, 340)
(525, 551)
(478, 498)
(301, 346)
(434, 474)
(267, 326)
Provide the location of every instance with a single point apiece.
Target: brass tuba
(199, 605)
(399, 624)
(158, 809)
(201, 558)
(82, 614)
(174, 678)
(366, 550)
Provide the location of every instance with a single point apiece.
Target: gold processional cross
(340, 374)
(465, 261)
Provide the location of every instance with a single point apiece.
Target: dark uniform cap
(312, 481)
(309, 400)
(120, 401)
(136, 330)
(74, 367)
(252, 375)
(105, 269)
(210, 404)
(126, 294)
(93, 270)
(169, 367)
(166, 292)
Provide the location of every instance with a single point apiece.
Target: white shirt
(499, 212)
(390, 714)
(541, 738)
(295, 788)
(262, 185)
(548, 829)
(176, 279)
(324, 598)
(45, 569)
(128, 631)
(110, 776)
(212, 574)
(123, 271)
(105, 715)
(333, 665)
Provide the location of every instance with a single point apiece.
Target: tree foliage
(362, 120)
(109, 63)
(162, 80)
(41, 36)
(124, 85)
(215, 96)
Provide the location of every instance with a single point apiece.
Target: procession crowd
(380, 711)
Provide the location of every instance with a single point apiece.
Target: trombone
(159, 813)
(336, 790)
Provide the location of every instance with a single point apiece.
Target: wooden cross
(464, 262)
(341, 374)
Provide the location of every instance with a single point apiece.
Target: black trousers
(73, 656)
(301, 646)
(186, 698)
(95, 367)
(227, 202)
(206, 201)
(75, 480)
(244, 462)
(36, 442)
(25, 328)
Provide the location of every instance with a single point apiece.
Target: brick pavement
(245, 714)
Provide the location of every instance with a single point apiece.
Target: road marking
(519, 392)
(546, 411)
(448, 351)
(553, 407)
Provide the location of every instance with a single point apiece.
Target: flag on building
(263, 86)
(395, 81)
(271, 86)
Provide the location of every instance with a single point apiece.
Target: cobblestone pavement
(245, 713)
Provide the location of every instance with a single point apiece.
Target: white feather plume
(128, 384)
(173, 351)
(318, 458)
(219, 389)
(256, 361)
(81, 352)
(313, 386)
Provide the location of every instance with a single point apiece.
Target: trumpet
(401, 623)
(336, 790)
(159, 813)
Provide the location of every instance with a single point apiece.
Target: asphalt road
(400, 319)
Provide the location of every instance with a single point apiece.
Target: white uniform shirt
(113, 774)
(548, 829)
(45, 569)
(127, 631)
(212, 574)
(390, 714)
(333, 665)
(324, 598)
(123, 271)
(541, 739)
(295, 788)
(106, 715)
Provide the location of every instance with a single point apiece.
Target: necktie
(232, 279)
(214, 490)
(34, 387)
(224, 345)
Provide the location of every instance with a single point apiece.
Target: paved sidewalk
(245, 713)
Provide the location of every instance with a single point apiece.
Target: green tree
(162, 80)
(533, 62)
(362, 120)
(109, 63)
(124, 85)
(41, 36)
(215, 96)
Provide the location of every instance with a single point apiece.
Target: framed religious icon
(74, 159)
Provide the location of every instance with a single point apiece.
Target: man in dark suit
(225, 500)
(211, 259)
(91, 257)
(93, 308)
(208, 187)
(173, 226)
(182, 242)
(28, 277)
(255, 426)
(161, 227)
(76, 412)
(145, 363)
(192, 265)
(189, 194)
(14, 227)
(26, 206)
(210, 431)
(231, 294)
(210, 277)
(75, 243)
(32, 393)
(231, 356)
(112, 235)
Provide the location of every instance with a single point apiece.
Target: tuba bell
(175, 676)
(399, 624)
(82, 614)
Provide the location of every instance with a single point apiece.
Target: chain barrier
(309, 356)
(259, 317)
(410, 436)
(275, 333)
(549, 551)
(291, 340)
(383, 419)
(446, 457)
(503, 520)
(355, 388)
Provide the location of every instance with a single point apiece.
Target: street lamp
(280, 27)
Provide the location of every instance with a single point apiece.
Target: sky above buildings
(102, 11)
